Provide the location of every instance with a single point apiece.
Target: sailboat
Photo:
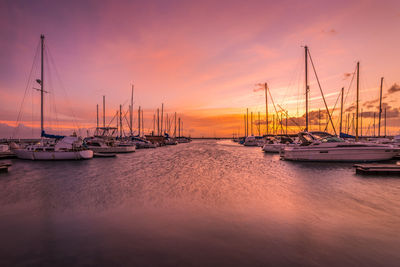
(321, 146)
(57, 147)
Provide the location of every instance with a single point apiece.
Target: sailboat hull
(113, 149)
(53, 155)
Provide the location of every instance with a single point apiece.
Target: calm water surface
(204, 203)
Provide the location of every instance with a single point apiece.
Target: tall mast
(385, 121)
(97, 116)
(286, 122)
(154, 123)
(374, 124)
(358, 98)
(306, 81)
(131, 113)
(139, 121)
(361, 126)
(273, 124)
(41, 86)
(251, 122)
(142, 122)
(259, 130)
(158, 121)
(319, 119)
(266, 106)
(104, 111)
(166, 125)
(244, 117)
(175, 125)
(247, 122)
(341, 112)
(120, 120)
(380, 109)
(179, 127)
(162, 117)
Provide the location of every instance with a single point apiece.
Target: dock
(380, 169)
(4, 167)
(7, 155)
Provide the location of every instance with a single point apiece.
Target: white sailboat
(104, 145)
(63, 148)
(275, 145)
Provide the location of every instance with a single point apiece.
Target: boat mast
(380, 109)
(120, 120)
(142, 124)
(266, 106)
(361, 125)
(131, 113)
(158, 121)
(247, 122)
(162, 117)
(259, 129)
(139, 121)
(319, 119)
(97, 115)
(341, 112)
(175, 125)
(374, 124)
(244, 123)
(179, 127)
(358, 98)
(41, 86)
(251, 122)
(306, 81)
(385, 121)
(104, 111)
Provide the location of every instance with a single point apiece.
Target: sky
(201, 59)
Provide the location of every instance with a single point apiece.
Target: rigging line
(272, 100)
(351, 82)
(290, 118)
(322, 93)
(26, 89)
(75, 123)
(53, 106)
(296, 73)
(333, 110)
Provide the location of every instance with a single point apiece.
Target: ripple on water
(207, 202)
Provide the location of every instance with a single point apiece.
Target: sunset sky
(202, 59)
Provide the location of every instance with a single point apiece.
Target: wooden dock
(380, 169)
(4, 167)
(7, 155)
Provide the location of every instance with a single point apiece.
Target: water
(203, 203)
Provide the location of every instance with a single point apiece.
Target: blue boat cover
(343, 135)
(51, 135)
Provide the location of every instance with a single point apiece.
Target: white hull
(53, 155)
(273, 148)
(356, 154)
(250, 143)
(113, 149)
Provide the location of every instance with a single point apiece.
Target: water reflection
(208, 202)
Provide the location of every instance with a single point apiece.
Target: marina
(232, 203)
(199, 133)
